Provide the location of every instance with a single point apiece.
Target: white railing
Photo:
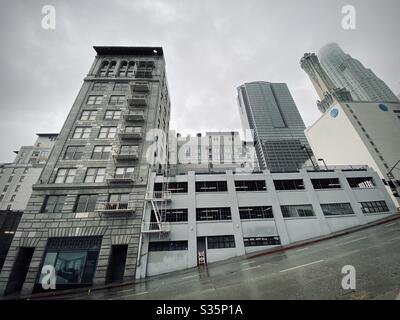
(128, 176)
(137, 100)
(139, 86)
(131, 130)
(126, 152)
(134, 115)
(149, 227)
(158, 195)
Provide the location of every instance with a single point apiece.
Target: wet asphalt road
(309, 272)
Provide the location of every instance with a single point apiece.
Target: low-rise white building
(201, 217)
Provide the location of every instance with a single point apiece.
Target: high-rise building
(84, 216)
(16, 180)
(269, 110)
(357, 133)
(349, 73)
(326, 89)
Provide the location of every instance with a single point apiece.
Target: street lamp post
(303, 147)
(392, 185)
(326, 167)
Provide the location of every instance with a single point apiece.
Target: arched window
(103, 69)
(122, 69)
(131, 66)
(111, 70)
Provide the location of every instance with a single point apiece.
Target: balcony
(130, 133)
(116, 207)
(144, 73)
(137, 100)
(155, 227)
(125, 178)
(129, 153)
(158, 195)
(134, 116)
(139, 86)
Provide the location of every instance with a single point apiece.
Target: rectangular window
(334, 209)
(112, 115)
(94, 100)
(332, 183)
(101, 153)
(374, 207)
(119, 197)
(81, 133)
(88, 115)
(247, 213)
(86, 203)
(53, 204)
(168, 245)
(361, 183)
(172, 215)
(95, 175)
(74, 260)
(100, 86)
(304, 210)
(107, 132)
(65, 175)
(219, 242)
(261, 241)
(120, 86)
(117, 100)
(296, 184)
(211, 186)
(17, 188)
(124, 172)
(173, 187)
(206, 214)
(74, 153)
(255, 185)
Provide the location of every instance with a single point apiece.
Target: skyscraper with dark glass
(269, 110)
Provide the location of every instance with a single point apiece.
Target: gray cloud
(211, 47)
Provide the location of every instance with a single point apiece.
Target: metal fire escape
(159, 201)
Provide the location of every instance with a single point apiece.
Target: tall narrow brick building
(84, 216)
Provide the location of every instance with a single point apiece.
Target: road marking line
(251, 268)
(246, 263)
(390, 224)
(188, 277)
(390, 240)
(351, 241)
(299, 250)
(347, 237)
(303, 265)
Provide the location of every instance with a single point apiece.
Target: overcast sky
(210, 48)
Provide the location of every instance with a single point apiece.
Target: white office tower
(347, 72)
(360, 133)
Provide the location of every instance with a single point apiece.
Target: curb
(56, 294)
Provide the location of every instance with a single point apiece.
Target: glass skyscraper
(269, 110)
(347, 72)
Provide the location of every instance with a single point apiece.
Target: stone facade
(120, 224)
